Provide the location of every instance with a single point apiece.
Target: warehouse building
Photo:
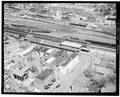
(60, 59)
(45, 50)
(24, 52)
(104, 66)
(69, 64)
(79, 83)
(44, 76)
(50, 53)
(57, 58)
(43, 79)
(110, 20)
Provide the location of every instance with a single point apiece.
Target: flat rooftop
(104, 62)
(72, 56)
(22, 53)
(72, 44)
(58, 54)
(21, 72)
(81, 80)
(45, 49)
(50, 60)
(44, 74)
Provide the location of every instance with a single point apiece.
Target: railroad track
(23, 33)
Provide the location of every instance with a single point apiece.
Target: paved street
(67, 79)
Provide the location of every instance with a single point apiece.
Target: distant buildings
(107, 20)
(110, 20)
(58, 15)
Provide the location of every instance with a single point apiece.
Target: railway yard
(46, 55)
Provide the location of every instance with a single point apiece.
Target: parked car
(54, 80)
(50, 84)
(46, 87)
(58, 86)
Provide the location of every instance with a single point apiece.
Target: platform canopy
(72, 44)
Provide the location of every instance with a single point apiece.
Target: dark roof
(44, 74)
(35, 40)
(44, 50)
(93, 88)
(62, 58)
(40, 48)
(72, 56)
(23, 47)
(81, 81)
(91, 18)
(58, 54)
(111, 19)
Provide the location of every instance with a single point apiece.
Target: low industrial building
(104, 65)
(102, 70)
(57, 58)
(109, 88)
(50, 53)
(110, 20)
(69, 64)
(43, 79)
(44, 50)
(79, 83)
(24, 52)
(93, 88)
(61, 59)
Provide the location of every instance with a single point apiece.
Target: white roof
(36, 90)
(21, 71)
(71, 44)
(85, 48)
(50, 60)
(5, 61)
(50, 50)
(22, 53)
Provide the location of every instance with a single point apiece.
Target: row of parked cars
(50, 84)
